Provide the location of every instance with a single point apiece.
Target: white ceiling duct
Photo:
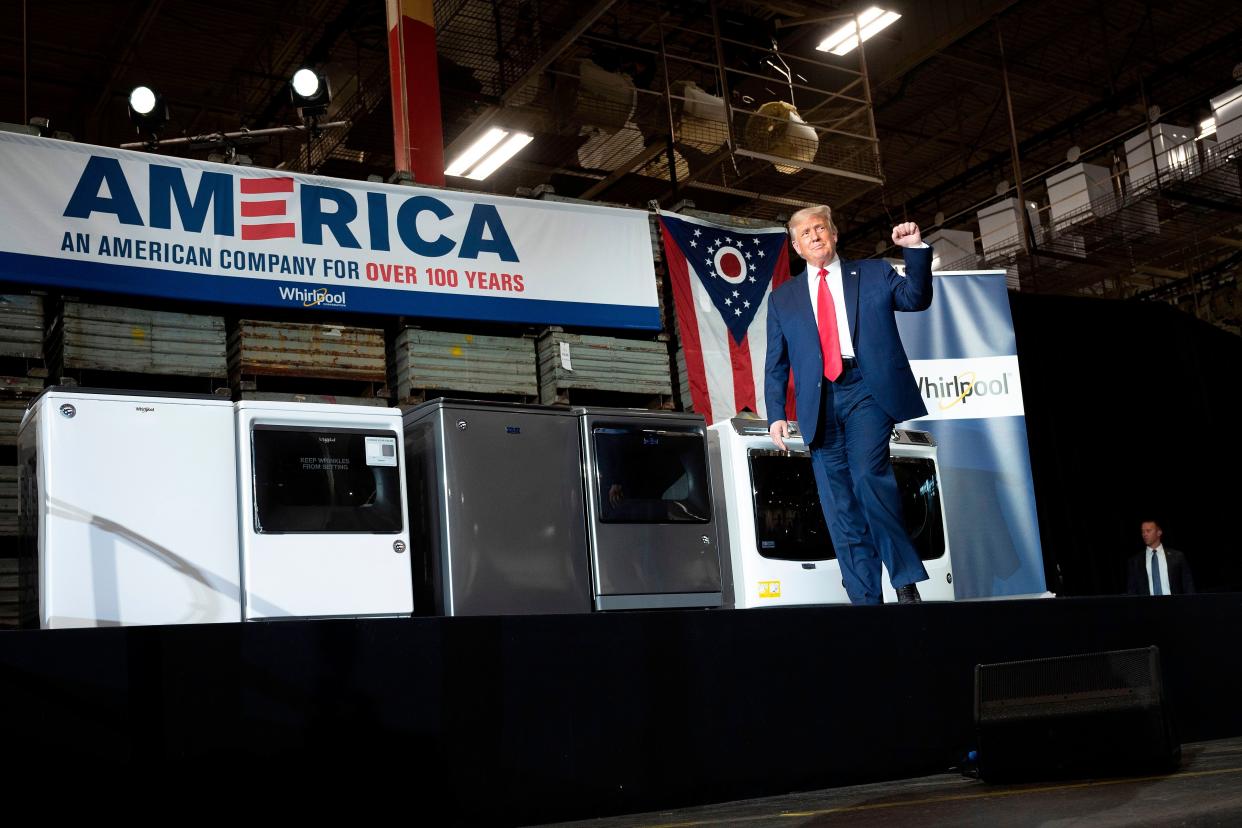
(658, 167)
(702, 123)
(611, 152)
(777, 129)
(586, 95)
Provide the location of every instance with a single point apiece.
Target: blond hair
(822, 211)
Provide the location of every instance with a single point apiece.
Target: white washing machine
(128, 508)
(779, 549)
(323, 511)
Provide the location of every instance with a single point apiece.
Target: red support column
(418, 137)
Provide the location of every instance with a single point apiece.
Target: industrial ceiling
(917, 125)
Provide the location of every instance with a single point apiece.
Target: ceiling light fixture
(148, 112)
(511, 147)
(485, 144)
(310, 92)
(846, 39)
(488, 153)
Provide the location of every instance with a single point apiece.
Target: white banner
(970, 388)
(91, 218)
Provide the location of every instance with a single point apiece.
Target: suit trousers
(858, 490)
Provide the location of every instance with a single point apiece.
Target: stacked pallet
(22, 374)
(15, 395)
(22, 369)
(10, 581)
(429, 364)
(21, 328)
(139, 349)
(10, 591)
(306, 359)
(683, 382)
(603, 370)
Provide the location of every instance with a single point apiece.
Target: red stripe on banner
(780, 276)
(258, 209)
(687, 318)
(259, 186)
(743, 374)
(258, 232)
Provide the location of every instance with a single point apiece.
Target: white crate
(1175, 154)
(1078, 193)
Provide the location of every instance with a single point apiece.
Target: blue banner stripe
(969, 317)
(145, 281)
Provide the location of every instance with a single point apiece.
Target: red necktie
(828, 340)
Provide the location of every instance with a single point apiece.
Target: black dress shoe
(909, 594)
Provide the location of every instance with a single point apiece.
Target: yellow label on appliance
(769, 589)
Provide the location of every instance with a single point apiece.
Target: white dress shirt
(1164, 570)
(838, 300)
(837, 292)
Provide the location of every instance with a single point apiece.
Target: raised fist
(907, 235)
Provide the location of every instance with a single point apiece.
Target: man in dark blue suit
(834, 326)
(1158, 570)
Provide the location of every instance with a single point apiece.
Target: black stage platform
(534, 719)
(1204, 791)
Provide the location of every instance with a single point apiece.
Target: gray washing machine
(649, 510)
(496, 509)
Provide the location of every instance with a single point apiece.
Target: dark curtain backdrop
(1132, 411)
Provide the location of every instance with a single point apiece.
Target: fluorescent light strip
(1206, 127)
(476, 151)
(869, 15)
(500, 155)
(883, 22)
(846, 39)
(838, 37)
(846, 47)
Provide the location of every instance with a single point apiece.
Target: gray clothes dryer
(649, 509)
(496, 509)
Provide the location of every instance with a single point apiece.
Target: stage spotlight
(148, 112)
(310, 93)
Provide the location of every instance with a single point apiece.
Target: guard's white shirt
(1164, 570)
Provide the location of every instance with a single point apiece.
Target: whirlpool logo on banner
(226, 207)
(976, 387)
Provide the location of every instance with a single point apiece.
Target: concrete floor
(1207, 790)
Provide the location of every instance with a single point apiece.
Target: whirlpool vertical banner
(965, 358)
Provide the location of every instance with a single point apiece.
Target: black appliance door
(789, 522)
(315, 480)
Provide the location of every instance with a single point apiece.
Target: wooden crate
(11, 413)
(683, 381)
(302, 350)
(8, 501)
(136, 341)
(21, 327)
(573, 363)
(10, 587)
(431, 362)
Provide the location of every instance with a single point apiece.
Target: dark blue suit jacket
(873, 290)
(1181, 582)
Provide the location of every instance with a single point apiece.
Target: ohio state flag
(721, 278)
